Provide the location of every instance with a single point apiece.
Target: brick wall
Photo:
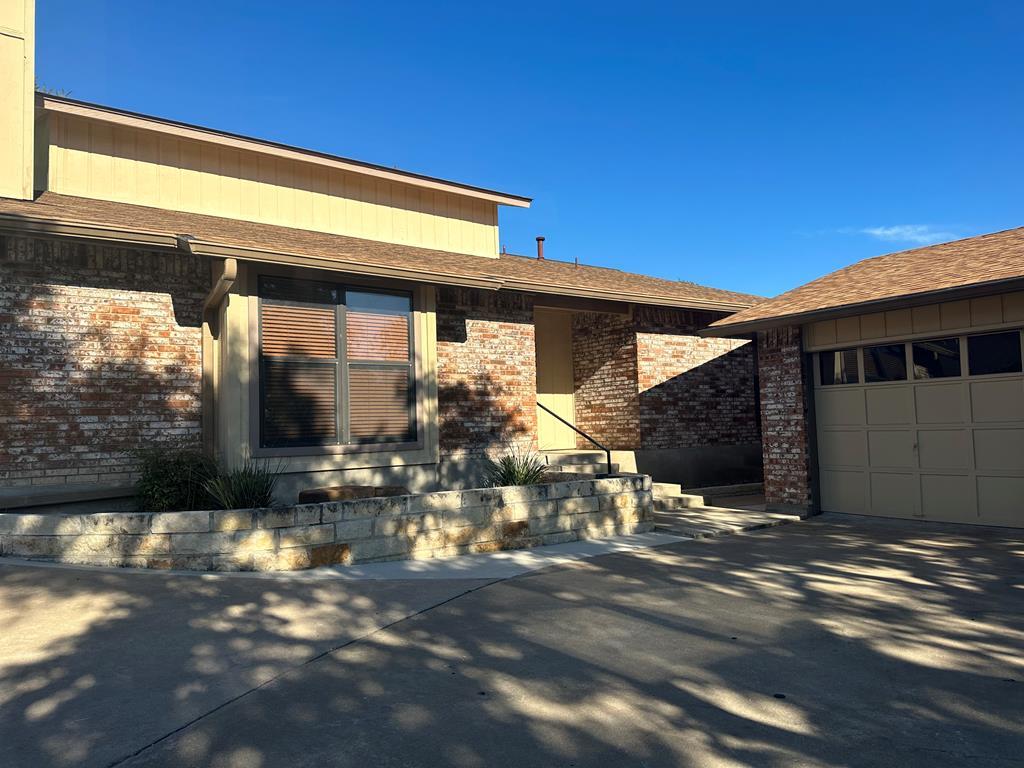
(605, 374)
(100, 353)
(693, 391)
(486, 372)
(784, 418)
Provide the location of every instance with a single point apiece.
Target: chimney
(540, 248)
(17, 94)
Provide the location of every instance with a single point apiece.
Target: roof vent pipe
(540, 248)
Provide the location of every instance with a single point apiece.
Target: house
(894, 387)
(170, 284)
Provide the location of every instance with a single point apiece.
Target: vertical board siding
(92, 159)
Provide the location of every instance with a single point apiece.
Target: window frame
(343, 444)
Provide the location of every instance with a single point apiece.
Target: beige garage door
(930, 429)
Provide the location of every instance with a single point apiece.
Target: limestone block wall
(358, 531)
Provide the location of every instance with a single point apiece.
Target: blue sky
(746, 145)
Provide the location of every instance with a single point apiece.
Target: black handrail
(578, 431)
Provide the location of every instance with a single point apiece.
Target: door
(930, 429)
(553, 342)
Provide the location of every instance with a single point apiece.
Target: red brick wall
(784, 418)
(100, 353)
(486, 372)
(693, 391)
(605, 372)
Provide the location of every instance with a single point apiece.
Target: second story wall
(96, 159)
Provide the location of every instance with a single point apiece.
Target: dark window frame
(864, 354)
(1009, 332)
(342, 366)
(856, 367)
(935, 340)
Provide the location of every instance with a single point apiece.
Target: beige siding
(92, 159)
(988, 312)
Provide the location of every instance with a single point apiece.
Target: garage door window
(886, 362)
(839, 367)
(936, 358)
(994, 353)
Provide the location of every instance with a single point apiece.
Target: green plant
(250, 485)
(515, 468)
(173, 479)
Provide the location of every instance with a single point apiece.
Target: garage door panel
(843, 491)
(1001, 500)
(891, 448)
(894, 495)
(944, 448)
(839, 407)
(888, 405)
(999, 450)
(998, 400)
(941, 404)
(844, 448)
(948, 498)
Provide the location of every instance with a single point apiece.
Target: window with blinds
(336, 365)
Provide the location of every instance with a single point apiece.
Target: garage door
(930, 429)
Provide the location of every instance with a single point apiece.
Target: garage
(929, 427)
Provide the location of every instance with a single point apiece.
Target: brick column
(784, 418)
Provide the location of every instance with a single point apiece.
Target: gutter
(207, 248)
(12, 222)
(906, 301)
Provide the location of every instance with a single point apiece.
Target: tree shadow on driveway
(828, 642)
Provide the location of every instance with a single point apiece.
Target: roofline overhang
(223, 250)
(83, 109)
(906, 301)
(633, 298)
(86, 230)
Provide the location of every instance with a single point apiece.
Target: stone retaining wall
(344, 532)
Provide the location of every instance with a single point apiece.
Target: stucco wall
(100, 353)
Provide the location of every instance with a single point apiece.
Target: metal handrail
(578, 431)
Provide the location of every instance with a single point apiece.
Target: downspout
(226, 272)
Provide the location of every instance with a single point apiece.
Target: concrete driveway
(834, 641)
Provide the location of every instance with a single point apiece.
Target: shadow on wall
(701, 427)
(926, 625)
(100, 353)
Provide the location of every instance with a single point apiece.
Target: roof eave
(723, 328)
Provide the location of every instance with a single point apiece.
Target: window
(936, 358)
(336, 365)
(838, 367)
(994, 353)
(886, 362)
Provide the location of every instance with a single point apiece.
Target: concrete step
(574, 457)
(584, 469)
(704, 522)
(682, 501)
(666, 489)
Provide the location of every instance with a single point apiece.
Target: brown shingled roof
(223, 236)
(936, 269)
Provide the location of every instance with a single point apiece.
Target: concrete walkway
(831, 642)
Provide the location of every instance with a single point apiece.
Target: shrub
(515, 468)
(250, 485)
(173, 479)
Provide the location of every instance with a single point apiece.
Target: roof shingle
(512, 272)
(958, 264)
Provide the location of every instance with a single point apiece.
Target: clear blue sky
(751, 146)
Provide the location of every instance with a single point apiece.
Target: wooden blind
(373, 336)
(380, 403)
(298, 331)
(300, 402)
